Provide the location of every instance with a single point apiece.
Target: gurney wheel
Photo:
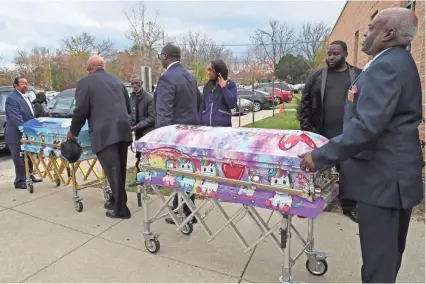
(31, 188)
(318, 268)
(78, 206)
(187, 229)
(152, 245)
(107, 196)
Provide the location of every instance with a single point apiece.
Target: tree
(198, 47)
(143, 33)
(310, 40)
(35, 65)
(321, 54)
(294, 67)
(273, 44)
(86, 43)
(79, 44)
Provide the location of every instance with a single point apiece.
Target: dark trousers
(383, 233)
(18, 161)
(113, 160)
(345, 203)
(186, 209)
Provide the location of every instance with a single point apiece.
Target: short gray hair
(405, 23)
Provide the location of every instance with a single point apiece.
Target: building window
(356, 48)
(411, 5)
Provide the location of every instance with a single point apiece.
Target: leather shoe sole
(23, 186)
(112, 214)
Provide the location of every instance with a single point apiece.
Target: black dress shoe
(20, 186)
(109, 206)
(36, 180)
(112, 214)
(351, 214)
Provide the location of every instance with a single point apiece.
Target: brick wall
(354, 20)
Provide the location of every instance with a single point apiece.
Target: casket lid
(241, 144)
(48, 123)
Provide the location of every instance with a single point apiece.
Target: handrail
(252, 185)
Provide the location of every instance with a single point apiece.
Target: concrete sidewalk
(43, 239)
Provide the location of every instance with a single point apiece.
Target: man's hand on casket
(307, 164)
(70, 135)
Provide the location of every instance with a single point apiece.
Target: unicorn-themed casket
(48, 133)
(256, 167)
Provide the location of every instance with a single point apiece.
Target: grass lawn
(279, 121)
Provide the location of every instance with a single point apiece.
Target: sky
(26, 24)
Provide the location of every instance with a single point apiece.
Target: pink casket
(256, 156)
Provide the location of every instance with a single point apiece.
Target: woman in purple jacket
(219, 96)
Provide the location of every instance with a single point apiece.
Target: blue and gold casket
(45, 135)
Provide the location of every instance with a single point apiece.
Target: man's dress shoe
(112, 214)
(20, 186)
(36, 180)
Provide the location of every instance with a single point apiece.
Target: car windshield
(60, 103)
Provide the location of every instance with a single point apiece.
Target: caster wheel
(58, 182)
(107, 196)
(31, 188)
(152, 245)
(187, 229)
(317, 268)
(78, 206)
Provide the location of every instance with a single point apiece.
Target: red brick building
(352, 24)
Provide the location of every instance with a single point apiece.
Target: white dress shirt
(27, 100)
(171, 64)
(375, 57)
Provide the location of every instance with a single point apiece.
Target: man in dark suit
(323, 103)
(177, 99)
(18, 110)
(103, 100)
(380, 147)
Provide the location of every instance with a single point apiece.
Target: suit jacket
(177, 98)
(145, 109)
(103, 100)
(17, 112)
(380, 143)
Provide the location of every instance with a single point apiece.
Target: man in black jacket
(323, 103)
(143, 112)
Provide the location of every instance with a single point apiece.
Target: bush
(298, 98)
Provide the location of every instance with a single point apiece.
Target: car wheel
(277, 101)
(257, 106)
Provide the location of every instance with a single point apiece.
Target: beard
(337, 64)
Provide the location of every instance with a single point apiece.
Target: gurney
(254, 168)
(41, 141)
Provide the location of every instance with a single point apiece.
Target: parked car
(4, 92)
(282, 91)
(62, 105)
(50, 95)
(261, 100)
(244, 106)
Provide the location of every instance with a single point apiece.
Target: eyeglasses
(162, 56)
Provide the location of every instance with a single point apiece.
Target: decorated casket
(45, 134)
(256, 167)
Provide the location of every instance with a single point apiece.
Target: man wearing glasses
(177, 99)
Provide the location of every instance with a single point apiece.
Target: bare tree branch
(311, 38)
(79, 44)
(272, 45)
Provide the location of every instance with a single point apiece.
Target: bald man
(380, 146)
(102, 99)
